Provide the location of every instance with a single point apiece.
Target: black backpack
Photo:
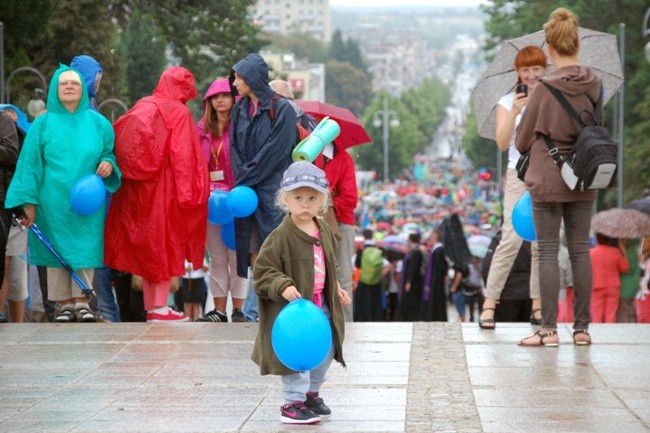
(593, 160)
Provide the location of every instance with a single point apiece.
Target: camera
(522, 88)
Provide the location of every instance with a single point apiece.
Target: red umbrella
(352, 131)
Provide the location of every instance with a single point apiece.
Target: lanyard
(216, 156)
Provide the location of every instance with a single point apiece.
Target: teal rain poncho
(61, 148)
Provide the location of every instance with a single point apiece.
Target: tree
(346, 86)
(144, 55)
(347, 51)
(427, 103)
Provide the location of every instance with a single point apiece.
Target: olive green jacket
(285, 259)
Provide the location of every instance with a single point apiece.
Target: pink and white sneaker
(170, 317)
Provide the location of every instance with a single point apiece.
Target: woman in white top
(530, 65)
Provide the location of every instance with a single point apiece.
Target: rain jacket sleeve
(32, 157)
(112, 182)
(340, 172)
(265, 162)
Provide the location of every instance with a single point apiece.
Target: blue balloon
(241, 201)
(218, 212)
(522, 218)
(228, 235)
(88, 195)
(301, 335)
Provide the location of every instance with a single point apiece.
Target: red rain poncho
(158, 217)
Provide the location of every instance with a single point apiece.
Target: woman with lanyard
(214, 132)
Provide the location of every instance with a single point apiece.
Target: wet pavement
(401, 377)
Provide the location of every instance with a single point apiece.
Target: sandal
(487, 323)
(83, 314)
(528, 342)
(585, 340)
(66, 315)
(534, 320)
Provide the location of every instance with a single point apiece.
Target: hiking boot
(214, 316)
(170, 317)
(237, 316)
(298, 413)
(316, 404)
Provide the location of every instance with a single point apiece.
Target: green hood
(54, 105)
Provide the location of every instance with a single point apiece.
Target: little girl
(297, 260)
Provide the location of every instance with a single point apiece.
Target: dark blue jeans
(103, 284)
(577, 222)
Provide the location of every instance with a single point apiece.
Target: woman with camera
(553, 201)
(530, 65)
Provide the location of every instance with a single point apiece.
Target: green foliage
(430, 110)
(480, 151)
(405, 140)
(304, 46)
(346, 86)
(22, 20)
(144, 55)
(347, 51)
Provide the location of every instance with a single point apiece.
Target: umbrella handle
(81, 283)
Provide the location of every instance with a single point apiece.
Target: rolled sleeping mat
(309, 148)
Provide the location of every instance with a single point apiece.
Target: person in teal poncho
(65, 144)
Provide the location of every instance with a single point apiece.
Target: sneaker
(170, 317)
(214, 316)
(316, 404)
(3, 318)
(83, 314)
(298, 413)
(237, 316)
(66, 315)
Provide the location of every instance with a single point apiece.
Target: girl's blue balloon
(522, 218)
(301, 335)
(228, 235)
(88, 194)
(218, 212)
(241, 201)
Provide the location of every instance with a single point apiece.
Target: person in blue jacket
(63, 145)
(92, 73)
(260, 151)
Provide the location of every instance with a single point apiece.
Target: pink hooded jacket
(217, 151)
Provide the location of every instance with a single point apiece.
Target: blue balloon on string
(522, 218)
(301, 335)
(228, 235)
(88, 195)
(241, 201)
(218, 212)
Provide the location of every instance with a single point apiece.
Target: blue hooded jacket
(88, 68)
(260, 152)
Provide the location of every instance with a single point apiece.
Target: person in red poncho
(157, 218)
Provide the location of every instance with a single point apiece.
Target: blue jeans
(250, 304)
(103, 284)
(459, 302)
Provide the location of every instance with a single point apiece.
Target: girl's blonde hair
(561, 31)
(280, 204)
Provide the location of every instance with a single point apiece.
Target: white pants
(223, 267)
(508, 248)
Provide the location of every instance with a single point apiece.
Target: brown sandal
(487, 323)
(581, 341)
(527, 342)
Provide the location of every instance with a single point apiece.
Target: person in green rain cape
(63, 145)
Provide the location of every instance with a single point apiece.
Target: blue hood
(22, 122)
(255, 73)
(88, 68)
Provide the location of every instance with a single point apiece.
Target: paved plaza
(401, 377)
